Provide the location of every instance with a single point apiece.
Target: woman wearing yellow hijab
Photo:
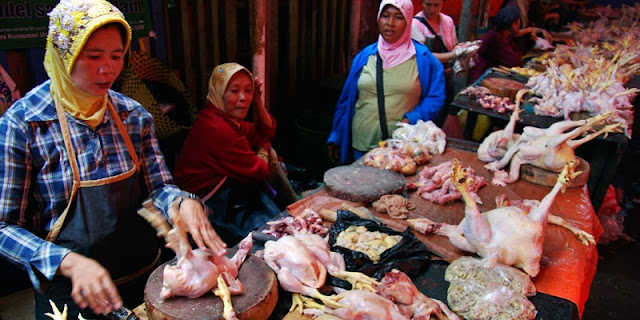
(226, 159)
(77, 161)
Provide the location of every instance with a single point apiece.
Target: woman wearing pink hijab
(395, 79)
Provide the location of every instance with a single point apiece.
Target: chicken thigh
(506, 235)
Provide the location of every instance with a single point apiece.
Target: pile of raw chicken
(590, 76)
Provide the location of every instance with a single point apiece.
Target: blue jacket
(430, 74)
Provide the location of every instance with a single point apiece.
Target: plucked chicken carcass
(297, 269)
(413, 304)
(357, 305)
(506, 235)
(549, 148)
(527, 205)
(496, 144)
(196, 272)
(301, 263)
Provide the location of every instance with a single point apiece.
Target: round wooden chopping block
(360, 183)
(502, 87)
(256, 302)
(548, 178)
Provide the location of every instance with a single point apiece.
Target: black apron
(101, 222)
(238, 209)
(436, 45)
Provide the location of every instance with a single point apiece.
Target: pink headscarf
(393, 54)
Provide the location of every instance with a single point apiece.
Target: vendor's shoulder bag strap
(380, 90)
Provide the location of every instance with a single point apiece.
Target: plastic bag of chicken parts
(409, 255)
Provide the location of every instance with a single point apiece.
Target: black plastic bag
(409, 255)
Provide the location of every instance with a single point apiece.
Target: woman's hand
(195, 218)
(333, 152)
(91, 284)
(257, 92)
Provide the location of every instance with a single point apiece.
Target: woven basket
(144, 67)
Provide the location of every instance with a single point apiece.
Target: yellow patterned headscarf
(71, 23)
(219, 80)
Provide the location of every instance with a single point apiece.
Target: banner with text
(23, 24)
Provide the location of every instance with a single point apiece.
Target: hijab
(393, 54)
(220, 77)
(71, 23)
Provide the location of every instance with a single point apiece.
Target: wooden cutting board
(257, 302)
(548, 178)
(502, 87)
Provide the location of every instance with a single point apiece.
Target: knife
(122, 314)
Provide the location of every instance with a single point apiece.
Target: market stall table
(567, 266)
(603, 154)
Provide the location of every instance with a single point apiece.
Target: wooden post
(341, 34)
(333, 17)
(271, 46)
(258, 12)
(313, 29)
(215, 33)
(293, 43)
(354, 31)
(465, 20)
(203, 50)
(186, 17)
(323, 39)
(167, 33)
(231, 31)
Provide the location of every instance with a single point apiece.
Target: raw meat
(506, 235)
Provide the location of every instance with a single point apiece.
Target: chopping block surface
(256, 302)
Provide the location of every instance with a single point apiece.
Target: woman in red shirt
(498, 47)
(225, 159)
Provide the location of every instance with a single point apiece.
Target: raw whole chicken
(495, 145)
(357, 305)
(506, 235)
(549, 148)
(296, 267)
(196, 271)
(413, 304)
(527, 205)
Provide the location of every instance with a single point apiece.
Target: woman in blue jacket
(412, 86)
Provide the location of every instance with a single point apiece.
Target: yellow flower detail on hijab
(71, 23)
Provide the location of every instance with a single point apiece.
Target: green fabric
(401, 95)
